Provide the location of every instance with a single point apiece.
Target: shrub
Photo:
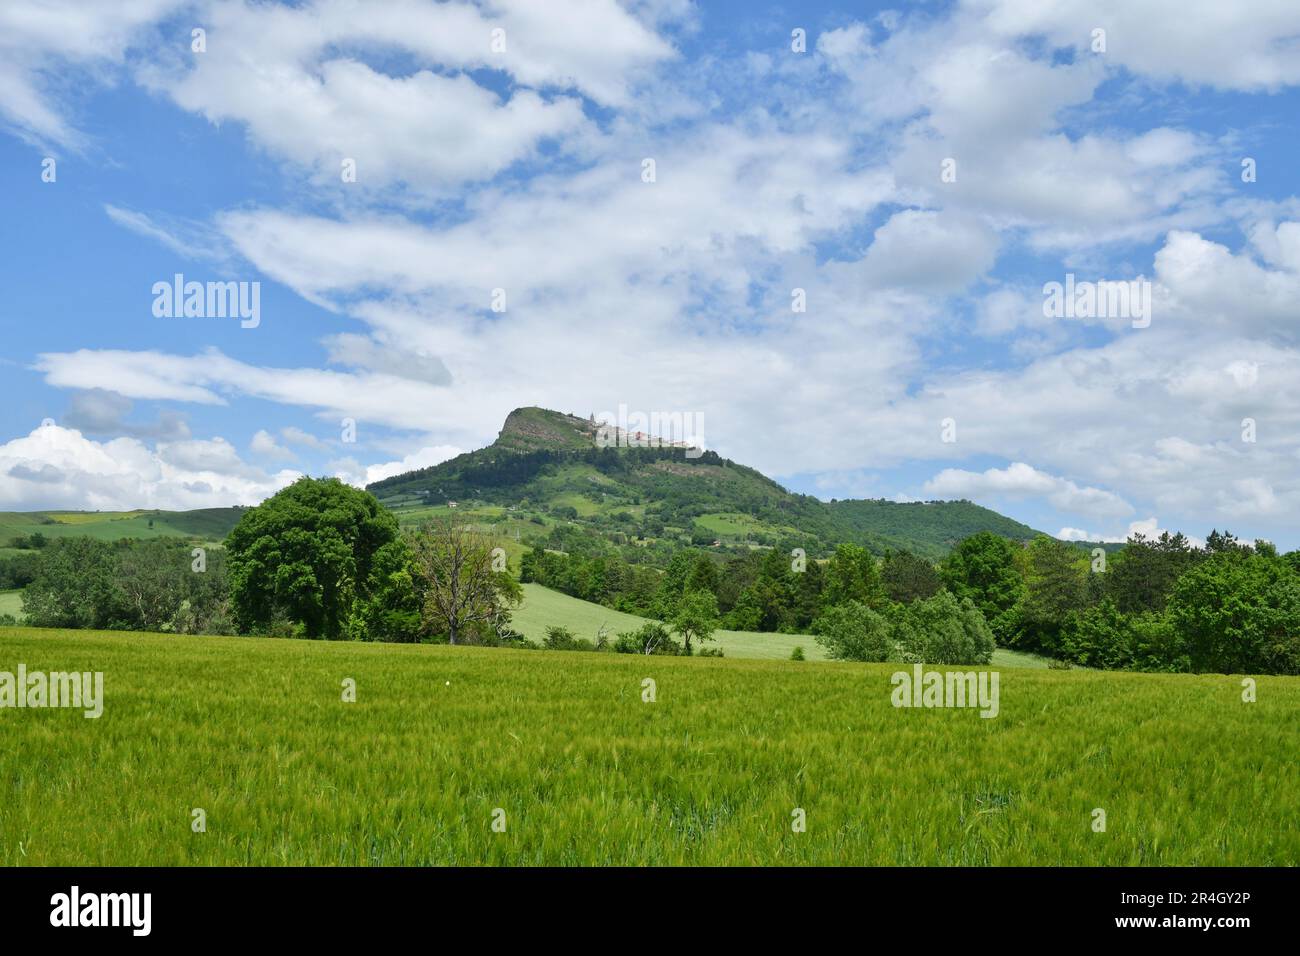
(943, 630)
(853, 632)
(797, 654)
(1099, 636)
(1157, 646)
(559, 639)
(651, 638)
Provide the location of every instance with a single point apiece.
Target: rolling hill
(546, 477)
(207, 524)
(547, 465)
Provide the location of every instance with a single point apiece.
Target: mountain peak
(533, 429)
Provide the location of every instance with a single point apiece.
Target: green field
(254, 732)
(11, 602)
(543, 608)
(208, 524)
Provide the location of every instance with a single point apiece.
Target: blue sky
(521, 169)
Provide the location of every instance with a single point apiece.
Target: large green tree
(1056, 587)
(852, 575)
(308, 554)
(1239, 613)
(983, 569)
(1141, 576)
(907, 578)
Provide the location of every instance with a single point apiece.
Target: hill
(547, 465)
(937, 524)
(543, 608)
(546, 477)
(207, 524)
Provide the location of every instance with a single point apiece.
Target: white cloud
(41, 38)
(354, 473)
(296, 436)
(930, 252)
(1239, 46)
(1149, 528)
(1249, 497)
(55, 467)
(263, 443)
(186, 239)
(302, 80)
(1019, 480)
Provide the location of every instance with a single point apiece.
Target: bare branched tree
(463, 585)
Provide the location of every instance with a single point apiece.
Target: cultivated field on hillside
(254, 732)
(543, 608)
(208, 524)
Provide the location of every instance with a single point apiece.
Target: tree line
(321, 559)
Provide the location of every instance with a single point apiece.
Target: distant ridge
(553, 460)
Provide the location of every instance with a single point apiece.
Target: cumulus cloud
(305, 81)
(1251, 47)
(927, 251)
(355, 473)
(263, 443)
(56, 467)
(1020, 480)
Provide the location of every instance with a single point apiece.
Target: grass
(736, 525)
(254, 732)
(543, 608)
(11, 602)
(208, 524)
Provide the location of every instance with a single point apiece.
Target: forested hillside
(550, 463)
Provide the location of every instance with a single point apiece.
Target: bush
(943, 630)
(854, 632)
(559, 639)
(651, 638)
(1099, 636)
(797, 654)
(709, 652)
(1157, 646)
(143, 585)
